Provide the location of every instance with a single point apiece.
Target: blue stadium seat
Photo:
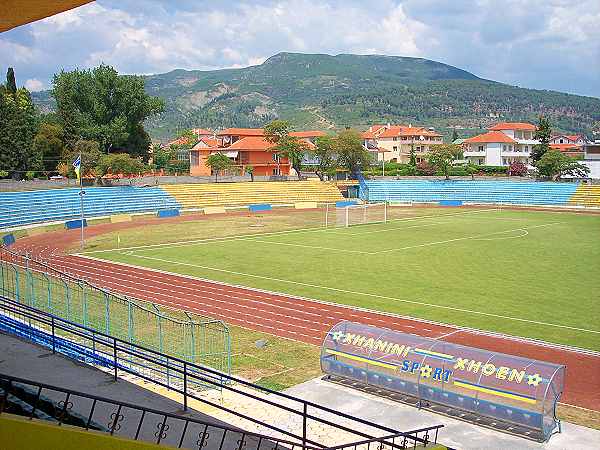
(503, 192)
(25, 208)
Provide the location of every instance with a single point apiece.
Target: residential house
(570, 144)
(246, 147)
(503, 144)
(395, 142)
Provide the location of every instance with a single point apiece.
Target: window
(561, 141)
(480, 148)
(394, 138)
(277, 171)
(276, 157)
(395, 148)
(194, 159)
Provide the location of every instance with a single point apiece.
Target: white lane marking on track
(366, 294)
(355, 310)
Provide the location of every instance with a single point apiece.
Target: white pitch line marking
(366, 294)
(475, 237)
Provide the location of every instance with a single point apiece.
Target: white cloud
(34, 85)
(537, 43)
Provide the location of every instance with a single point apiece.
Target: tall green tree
(324, 153)
(543, 133)
(101, 105)
(49, 143)
(292, 148)
(18, 125)
(441, 157)
(555, 164)
(218, 162)
(454, 134)
(11, 82)
(351, 154)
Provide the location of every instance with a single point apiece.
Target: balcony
(474, 153)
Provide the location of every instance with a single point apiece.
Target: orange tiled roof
(512, 126)
(368, 135)
(211, 142)
(242, 132)
(402, 130)
(307, 134)
(567, 147)
(490, 137)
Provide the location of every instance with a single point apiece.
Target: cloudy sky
(545, 44)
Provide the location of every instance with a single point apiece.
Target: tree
(18, 125)
(472, 169)
(424, 168)
(543, 133)
(290, 147)
(351, 154)
(454, 135)
(441, 157)
(11, 83)
(48, 142)
(413, 157)
(554, 164)
(517, 169)
(90, 157)
(250, 171)
(218, 162)
(119, 163)
(161, 156)
(101, 105)
(324, 153)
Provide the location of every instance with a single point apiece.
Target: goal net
(355, 215)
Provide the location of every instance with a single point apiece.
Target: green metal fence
(191, 337)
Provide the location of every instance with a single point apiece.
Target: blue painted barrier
(168, 213)
(344, 203)
(260, 207)
(450, 203)
(8, 240)
(73, 224)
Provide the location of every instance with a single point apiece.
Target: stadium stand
(24, 208)
(230, 194)
(586, 195)
(502, 192)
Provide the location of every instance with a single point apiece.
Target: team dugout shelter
(511, 393)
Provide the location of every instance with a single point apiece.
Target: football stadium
(394, 257)
(267, 306)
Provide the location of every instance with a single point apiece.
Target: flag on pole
(77, 166)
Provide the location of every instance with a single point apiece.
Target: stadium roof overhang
(19, 12)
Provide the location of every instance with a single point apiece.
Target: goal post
(355, 215)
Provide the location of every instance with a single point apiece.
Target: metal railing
(117, 355)
(127, 420)
(191, 337)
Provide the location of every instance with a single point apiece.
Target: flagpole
(81, 199)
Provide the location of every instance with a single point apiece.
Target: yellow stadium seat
(202, 195)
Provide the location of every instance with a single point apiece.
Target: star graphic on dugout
(534, 380)
(337, 335)
(426, 371)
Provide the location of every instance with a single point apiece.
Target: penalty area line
(366, 294)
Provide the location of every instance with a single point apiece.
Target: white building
(502, 145)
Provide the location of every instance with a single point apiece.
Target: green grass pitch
(526, 273)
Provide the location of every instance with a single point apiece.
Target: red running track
(303, 319)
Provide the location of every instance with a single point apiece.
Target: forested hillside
(322, 91)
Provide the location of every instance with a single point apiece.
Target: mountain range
(332, 92)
